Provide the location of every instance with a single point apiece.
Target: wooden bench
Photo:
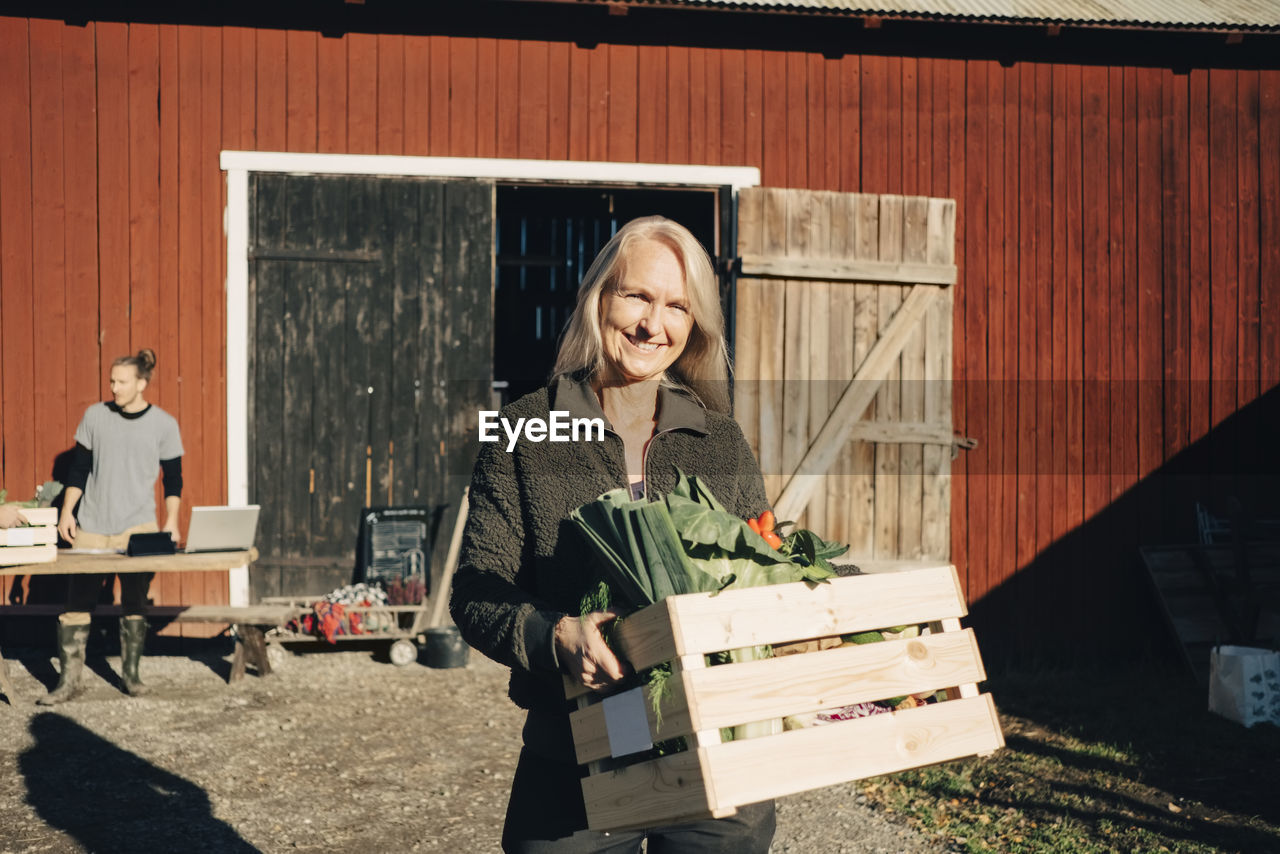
(251, 645)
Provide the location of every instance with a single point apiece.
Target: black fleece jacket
(523, 565)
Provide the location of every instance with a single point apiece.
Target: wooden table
(75, 563)
(71, 563)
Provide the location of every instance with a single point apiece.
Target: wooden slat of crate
(40, 515)
(591, 736)
(34, 535)
(669, 790)
(734, 694)
(702, 623)
(777, 687)
(758, 769)
(714, 781)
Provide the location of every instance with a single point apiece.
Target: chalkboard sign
(394, 545)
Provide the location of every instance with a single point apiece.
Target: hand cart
(406, 626)
(403, 625)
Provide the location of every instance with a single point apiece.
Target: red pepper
(772, 539)
(753, 525)
(767, 521)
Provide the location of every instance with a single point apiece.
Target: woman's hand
(11, 517)
(583, 653)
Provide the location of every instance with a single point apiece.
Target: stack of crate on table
(35, 542)
(711, 777)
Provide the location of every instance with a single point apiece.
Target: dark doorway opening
(547, 237)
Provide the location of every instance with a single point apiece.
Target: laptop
(222, 529)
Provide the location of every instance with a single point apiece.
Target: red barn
(1043, 246)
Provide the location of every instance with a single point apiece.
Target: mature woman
(645, 351)
(121, 445)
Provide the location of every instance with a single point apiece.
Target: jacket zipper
(644, 457)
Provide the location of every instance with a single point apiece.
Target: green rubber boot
(71, 643)
(133, 636)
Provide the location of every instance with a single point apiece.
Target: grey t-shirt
(127, 451)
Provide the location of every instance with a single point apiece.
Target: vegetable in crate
(45, 494)
(11, 511)
(687, 542)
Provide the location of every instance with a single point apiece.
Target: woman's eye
(683, 309)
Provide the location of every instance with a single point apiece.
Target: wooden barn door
(843, 363)
(372, 306)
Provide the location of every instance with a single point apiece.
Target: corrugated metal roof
(1192, 14)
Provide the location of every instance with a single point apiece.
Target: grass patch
(1101, 763)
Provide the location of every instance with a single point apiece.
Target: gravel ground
(337, 751)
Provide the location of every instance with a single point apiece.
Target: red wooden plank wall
(1118, 236)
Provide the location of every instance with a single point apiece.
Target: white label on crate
(627, 723)
(21, 537)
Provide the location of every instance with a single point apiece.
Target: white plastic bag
(1244, 684)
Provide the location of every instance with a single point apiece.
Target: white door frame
(238, 165)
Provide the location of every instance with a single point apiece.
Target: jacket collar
(676, 410)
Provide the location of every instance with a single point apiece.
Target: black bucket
(445, 648)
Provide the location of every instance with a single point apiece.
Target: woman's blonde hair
(703, 367)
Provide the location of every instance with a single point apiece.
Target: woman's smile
(643, 346)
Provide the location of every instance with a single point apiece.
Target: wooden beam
(848, 270)
(907, 433)
(853, 403)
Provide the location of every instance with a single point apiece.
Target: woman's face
(645, 319)
(126, 386)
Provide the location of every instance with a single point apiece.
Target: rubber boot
(71, 643)
(133, 636)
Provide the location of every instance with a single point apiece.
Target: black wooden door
(371, 352)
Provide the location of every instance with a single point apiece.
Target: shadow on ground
(1133, 742)
(111, 800)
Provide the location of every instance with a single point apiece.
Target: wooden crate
(712, 779)
(33, 543)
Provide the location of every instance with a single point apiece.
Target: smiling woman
(644, 352)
